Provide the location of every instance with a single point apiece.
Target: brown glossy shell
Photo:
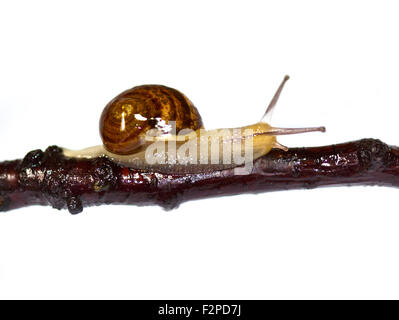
(127, 117)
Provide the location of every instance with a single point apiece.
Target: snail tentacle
(269, 111)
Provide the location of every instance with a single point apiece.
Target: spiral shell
(126, 118)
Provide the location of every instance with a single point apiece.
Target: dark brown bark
(48, 178)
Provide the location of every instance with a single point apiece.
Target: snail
(136, 125)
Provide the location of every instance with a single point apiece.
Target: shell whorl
(126, 118)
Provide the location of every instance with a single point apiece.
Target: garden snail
(140, 121)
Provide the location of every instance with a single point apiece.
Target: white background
(61, 62)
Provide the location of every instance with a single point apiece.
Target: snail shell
(127, 118)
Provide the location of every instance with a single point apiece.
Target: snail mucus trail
(154, 127)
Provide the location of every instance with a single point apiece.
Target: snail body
(140, 121)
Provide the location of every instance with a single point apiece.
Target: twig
(48, 178)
